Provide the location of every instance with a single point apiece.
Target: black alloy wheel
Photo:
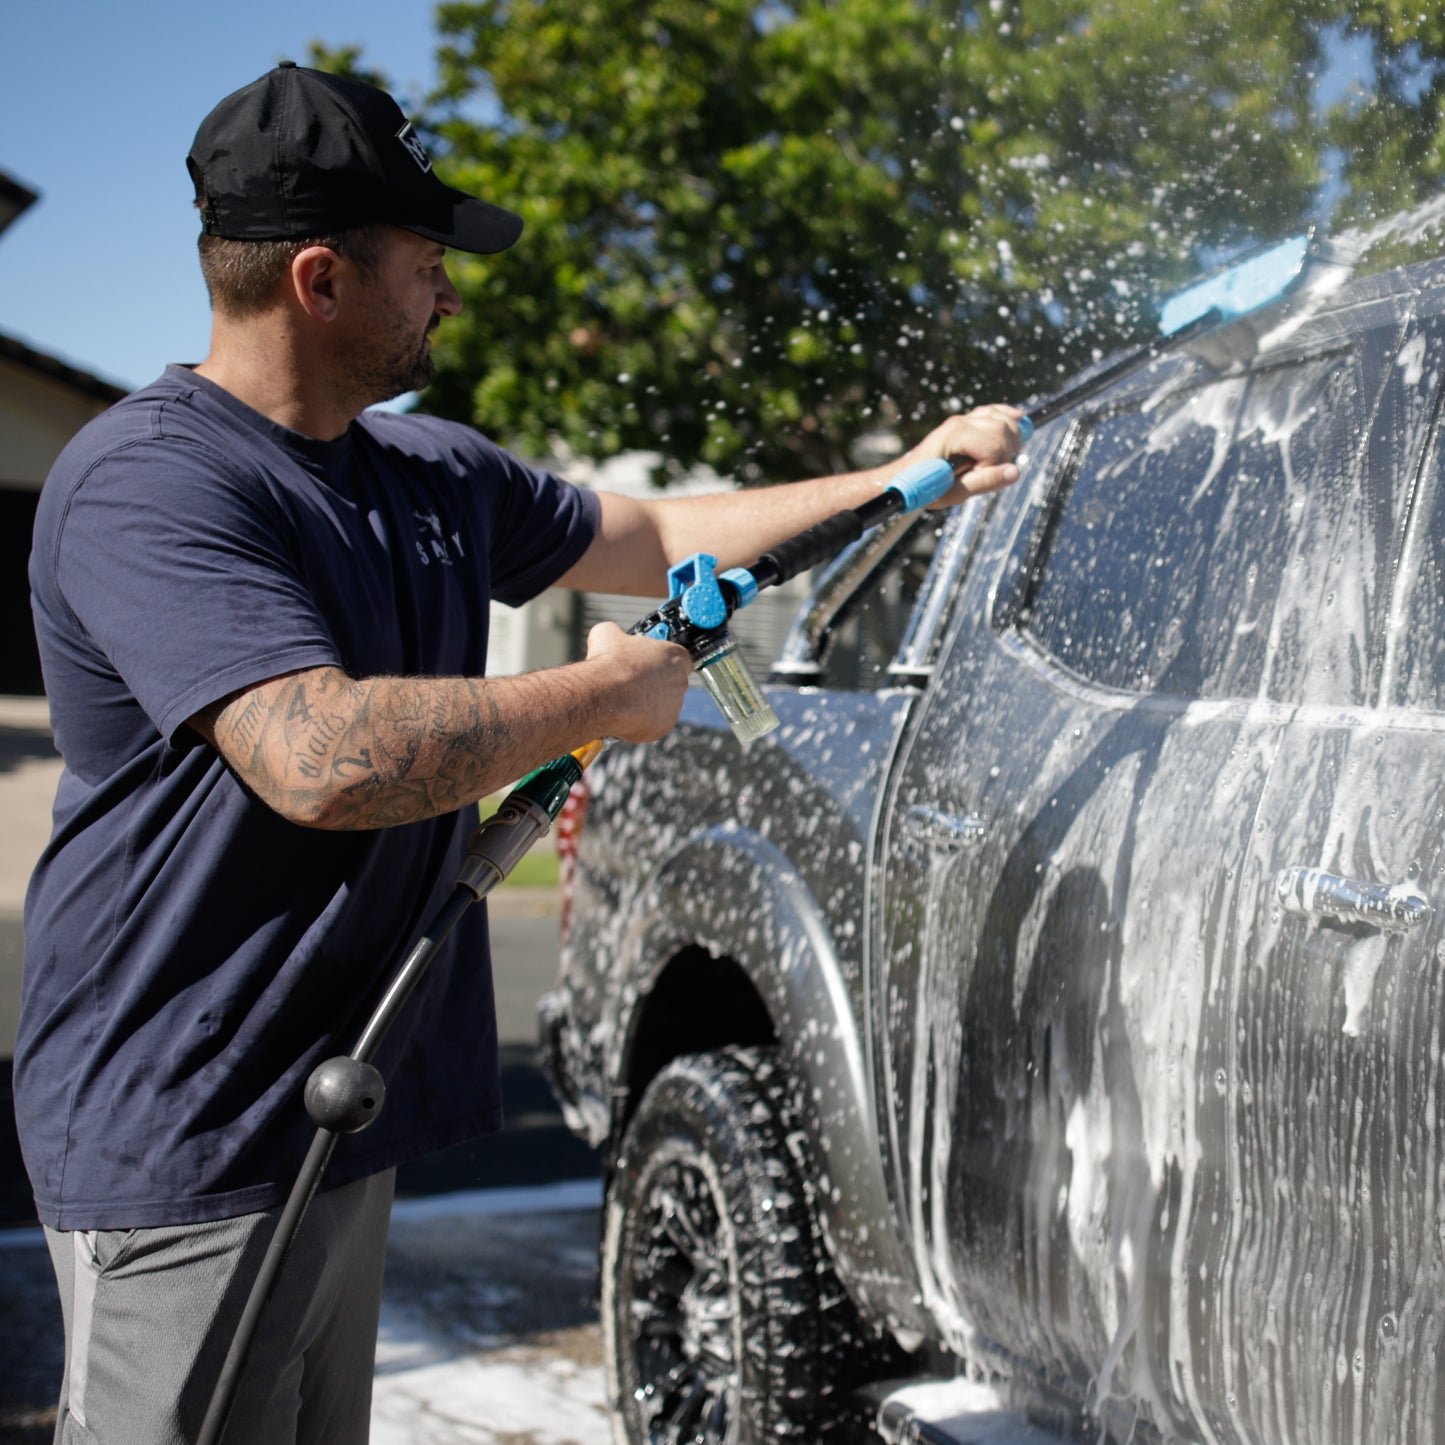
(711, 1318)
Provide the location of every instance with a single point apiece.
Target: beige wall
(38, 415)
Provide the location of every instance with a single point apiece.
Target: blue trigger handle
(1026, 428)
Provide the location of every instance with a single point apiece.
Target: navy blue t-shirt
(190, 955)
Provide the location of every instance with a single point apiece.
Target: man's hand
(981, 446)
(653, 680)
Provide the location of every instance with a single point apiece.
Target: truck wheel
(710, 1275)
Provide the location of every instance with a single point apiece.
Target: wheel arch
(728, 945)
(667, 1023)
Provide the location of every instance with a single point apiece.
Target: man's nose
(449, 299)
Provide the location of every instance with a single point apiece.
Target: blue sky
(100, 102)
(99, 105)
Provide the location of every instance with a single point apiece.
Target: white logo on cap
(415, 149)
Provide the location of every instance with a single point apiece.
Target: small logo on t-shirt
(435, 543)
(414, 148)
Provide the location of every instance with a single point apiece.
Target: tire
(712, 1318)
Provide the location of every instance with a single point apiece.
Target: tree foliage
(756, 231)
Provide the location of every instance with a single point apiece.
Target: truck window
(850, 632)
(1181, 550)
(864, 640)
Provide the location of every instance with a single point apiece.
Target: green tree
(1389, 129)
(757, 230)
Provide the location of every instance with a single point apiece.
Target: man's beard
(398, 374)
(396, 363)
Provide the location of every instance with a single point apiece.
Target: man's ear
(315, 281)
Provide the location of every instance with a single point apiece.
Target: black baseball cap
(302, 153)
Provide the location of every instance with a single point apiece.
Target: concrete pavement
(488, 1327)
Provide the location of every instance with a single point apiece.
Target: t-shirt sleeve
(542, 526)
(180, 575)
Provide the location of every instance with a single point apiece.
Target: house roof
(14, 199)
(77, 380)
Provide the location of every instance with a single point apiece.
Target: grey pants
(149, 1316)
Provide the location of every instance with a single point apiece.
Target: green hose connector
(549, 785)
(526, 813)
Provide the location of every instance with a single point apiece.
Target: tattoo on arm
(325, 749)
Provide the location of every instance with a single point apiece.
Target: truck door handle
(1394, 909)
(937, 829)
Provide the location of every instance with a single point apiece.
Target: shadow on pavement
(19, 744)
(534, 1146)
(16, 1205)
(32, 1347)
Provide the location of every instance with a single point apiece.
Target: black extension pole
(343, 1095)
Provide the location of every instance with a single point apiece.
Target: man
(262, 617)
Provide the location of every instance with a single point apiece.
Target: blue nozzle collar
(743, 583)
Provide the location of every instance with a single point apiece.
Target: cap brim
(465, 223)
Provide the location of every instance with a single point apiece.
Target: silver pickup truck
(1053, 1006)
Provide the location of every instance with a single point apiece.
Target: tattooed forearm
(331, 751)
